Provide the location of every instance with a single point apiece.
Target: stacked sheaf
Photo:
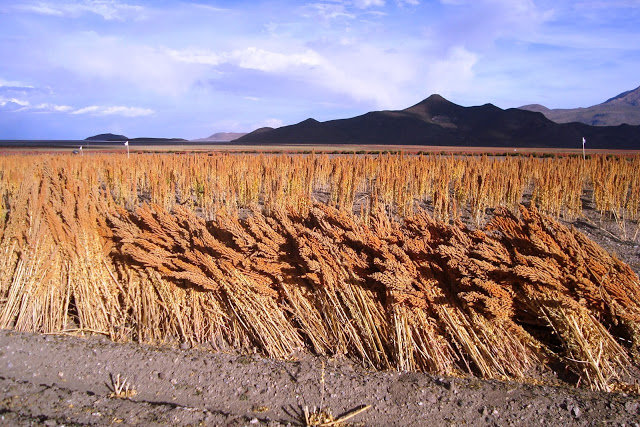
(418, 294)
(81, 250)
(54, 274)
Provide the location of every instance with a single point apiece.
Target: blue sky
(74, 68)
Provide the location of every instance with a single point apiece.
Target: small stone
(185, 345)
(161, 375)
(631, 407)
(253, 421)
(431, 398)
(484, 411)
(575, 411)
(50, 423)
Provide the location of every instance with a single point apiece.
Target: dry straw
(265, 253)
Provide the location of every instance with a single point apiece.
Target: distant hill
(436, 121)
(107, 137)
(121, 138)
(621, 109)
(222, 137)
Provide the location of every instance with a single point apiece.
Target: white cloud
(369, 73)
(208, 7)
(349, 9)
(21, 105)
(114, 110)
(52, 108)
(195, 56)
(4, 101)
(107, 9)
(263, 60)
(133, 66)
(363, 4)
(250, 58)
(41, 8)
(453, 73)
(523, 12)
(608, 4)
(328, 11)
(14, 84)
(13, 104)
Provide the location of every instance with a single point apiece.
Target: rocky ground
(55, 380)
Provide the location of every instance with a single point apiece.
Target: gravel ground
(55, 379)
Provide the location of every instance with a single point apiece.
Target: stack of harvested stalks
(523, 295)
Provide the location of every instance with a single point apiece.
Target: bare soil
(54, 380)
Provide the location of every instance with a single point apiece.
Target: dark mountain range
(436, 121)
(107, 137)
(104, 137)
(621, 109)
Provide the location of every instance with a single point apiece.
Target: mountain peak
(436, 121)
(621, 109)
(538, 108)
(107, 137)
(434, 99)
(631, 97)
(222, 137)
(434, 105)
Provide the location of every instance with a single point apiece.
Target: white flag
(126, 143)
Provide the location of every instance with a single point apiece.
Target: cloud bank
(194, 68)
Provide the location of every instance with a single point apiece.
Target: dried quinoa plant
(265, 253)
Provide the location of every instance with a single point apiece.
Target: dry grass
(322, 418)
(120, 388)
(265, 253)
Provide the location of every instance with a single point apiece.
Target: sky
(190, 68)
